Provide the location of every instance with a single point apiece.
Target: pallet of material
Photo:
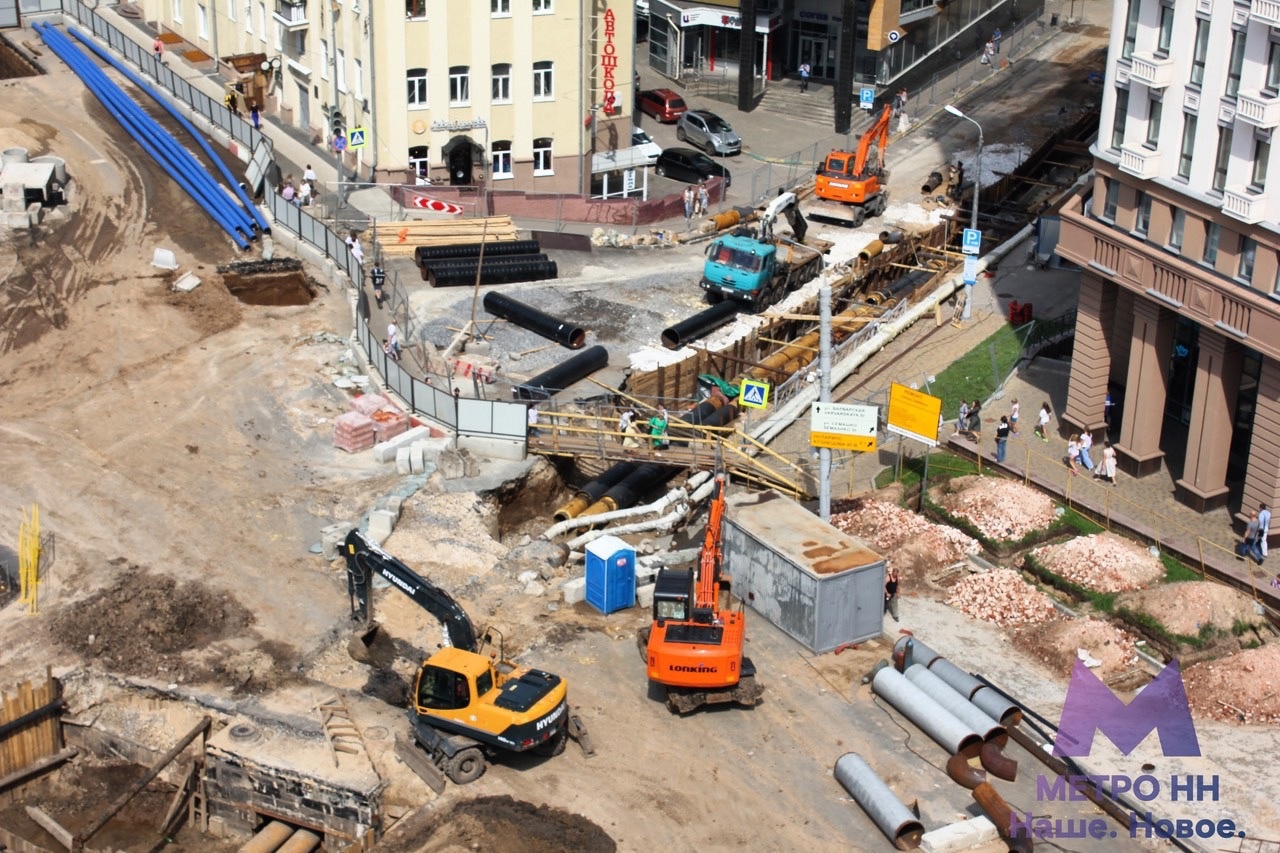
(401, 238)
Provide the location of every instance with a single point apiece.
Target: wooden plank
(51, 826)
(38, 767)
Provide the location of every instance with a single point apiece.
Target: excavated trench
(274, 283)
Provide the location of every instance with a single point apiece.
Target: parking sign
(867, 97)
(972, 244)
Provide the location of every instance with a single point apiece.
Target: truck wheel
(466, 765)
(714, 297)
(859, 216)
(555, 745)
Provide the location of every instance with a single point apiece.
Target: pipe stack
(958, 739)
(593, 491)
(878, 801)
(909, 650)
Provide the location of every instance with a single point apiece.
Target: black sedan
(685, 164)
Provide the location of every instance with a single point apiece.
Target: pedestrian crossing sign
(753, 394)
(356, 138)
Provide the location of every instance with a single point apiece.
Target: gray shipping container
(821, 586)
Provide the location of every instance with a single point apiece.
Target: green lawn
(978, 373)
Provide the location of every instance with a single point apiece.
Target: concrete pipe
(269, 838)
(955, 677)
(1001, 815)
(955, 704)
(909, 650)
(934, 720)
(13, 155)
(932, 183)
(891, 236)
(997, 707)
(302, 841)
(871, 250)
(880, 803)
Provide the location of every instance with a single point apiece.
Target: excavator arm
(364, 558)
(878, 133)
(788, 205)
(708, 589)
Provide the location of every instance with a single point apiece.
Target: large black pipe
(692, 328)
(472, 250)
(491, 274)
(715, 418)
(426, 268)
(900, 288)
(593, 491)
(636, 485)
(551, 382)
(522, 315)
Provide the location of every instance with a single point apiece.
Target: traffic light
(338, 124)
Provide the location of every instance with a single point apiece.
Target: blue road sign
(972, 241)
(753, 394)
(971, 269)
(356, 138)
(867, 97)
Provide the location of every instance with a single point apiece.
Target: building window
(1222, 159)
(177, 11)
(1120, 118)
(1261, 156)
(500, 8)
(340, 69)
(1201, 52)
(415, 9)
(262, 21)
(1112, 201)
(1188, 145)
(542, 80)
(1166, 30)
(1176, 230)
(542, 156)
(1236, 63)
(298, 43)
(1212, 237)
(459, 86)
(1273, 69)
(542, 7)
(502, 83)
(357, 78)
(202, 21)
(502, 159)
(1155, 108)
(417, 78)
(1131, 28)
(1248, 254)
(1142, 222)
(279, 36)
(419, 164)
(231, 11)
(324, 59)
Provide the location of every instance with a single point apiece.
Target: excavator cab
(673, 595)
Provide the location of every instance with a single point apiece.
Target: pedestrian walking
(1107, 406)
(658, 428)
(379, 278)
(1002, 437)
(891, 593)
(1086, 445)
(688, 197)
(255, 115)
(232, 102)
(309, 174)
(904, 123)
(704, 198)
(988, 51)
(975, 419)
(358, 254)
(996, 35)
(962, 421)
(1249, 547)
(1042, 422)
(1264, 528)
(624, 421)
(533, 420)
(1108, 466)
(804, 76)
(634, 435)
(1073, 455)
(158, 47)
(393, 335)
(1014, 408)
(390, 350)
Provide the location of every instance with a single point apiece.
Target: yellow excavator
(467, 706)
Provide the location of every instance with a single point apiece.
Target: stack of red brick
(372, 419)
(353, 432)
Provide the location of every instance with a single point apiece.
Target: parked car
(685, 164)
(709, 132)
(643, 143)
(663, 104)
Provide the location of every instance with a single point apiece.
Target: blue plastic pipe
(94, 79)
(142, 84)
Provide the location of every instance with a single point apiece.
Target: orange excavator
(851, 187)
(694, 647)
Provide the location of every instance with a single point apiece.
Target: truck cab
(738, 267)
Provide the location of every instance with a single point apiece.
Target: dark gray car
(709, 132)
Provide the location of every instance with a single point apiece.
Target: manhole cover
(376, 733)
(244, 732)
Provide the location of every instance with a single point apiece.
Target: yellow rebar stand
(29, 559)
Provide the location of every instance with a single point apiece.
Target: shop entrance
(813, 50)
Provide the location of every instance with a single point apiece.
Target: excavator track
(746, 692)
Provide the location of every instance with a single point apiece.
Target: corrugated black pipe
(592, 492)
(692, 328)
(629, 491)
(472, 250)
(427, 268)
(551, 382)
(551, 328)
(491, 274)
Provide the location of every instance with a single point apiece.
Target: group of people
(697, 200)
(1254, 545)
(1079, 445)
(301, 193)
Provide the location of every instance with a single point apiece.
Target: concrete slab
(386, 451)
(576, 590)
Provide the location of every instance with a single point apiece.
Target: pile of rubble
(1000, 596)
(1243, 688)
(1059, 643)
(1001, 509)
(1184, 608)
(888, 527)
(1102, 562)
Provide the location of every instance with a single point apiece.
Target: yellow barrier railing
(29, 560)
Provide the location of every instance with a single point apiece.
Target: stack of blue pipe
(241, 220)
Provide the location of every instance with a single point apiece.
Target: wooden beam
(37, 767)
(51, 826)
(1032, 180)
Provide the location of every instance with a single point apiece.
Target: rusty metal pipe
(995, 762)
(879, 802)
(269, 838)
(963, 773)
(1001, 815)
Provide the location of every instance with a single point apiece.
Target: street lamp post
(977, 185)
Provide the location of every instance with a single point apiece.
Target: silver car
(709, 132)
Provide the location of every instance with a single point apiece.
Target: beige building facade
(1179, 240)
(512, 93)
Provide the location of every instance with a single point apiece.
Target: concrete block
(416, 459)
(332, 537)
(402, 461)
(186, 283)
(386, 451)
(961, 835)
(575, 590)
(644, 596)
(394, 504)
(381, 523)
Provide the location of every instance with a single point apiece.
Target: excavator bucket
(366, 645)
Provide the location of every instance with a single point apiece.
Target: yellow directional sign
(914, 414)
(753, 394)
(836, 441)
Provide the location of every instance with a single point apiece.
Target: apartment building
(1178, 235)
(512, 93)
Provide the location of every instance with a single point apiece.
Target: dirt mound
(1104, 562)
(1184, 607)
(144, 623)
(1000, 596)
(503, 824)
(914, 545)
(1000, 509)
(1248, 681)
(1058, 642)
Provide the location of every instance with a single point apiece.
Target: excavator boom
(878, 133)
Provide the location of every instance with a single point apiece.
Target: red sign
(434, 205)
(609, 62)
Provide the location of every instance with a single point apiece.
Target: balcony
(1258, 109)
(1139, 162)
(292, 16)
(1245, 206)
(1155, 72)
(1266, 11)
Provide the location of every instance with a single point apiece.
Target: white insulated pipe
(879, 802)
(930, 717)
(675, 495)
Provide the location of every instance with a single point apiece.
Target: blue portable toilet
(611, 574)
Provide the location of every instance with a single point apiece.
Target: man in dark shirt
(891, 593)
(1002, 437)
